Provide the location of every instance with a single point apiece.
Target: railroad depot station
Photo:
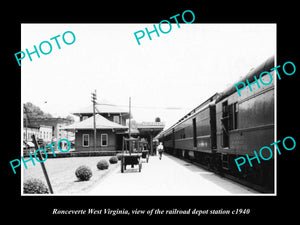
(213, 135)
(111, 124)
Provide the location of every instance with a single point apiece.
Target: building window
(84, 117)
(104, 139)
(116, 119)
(85, 140)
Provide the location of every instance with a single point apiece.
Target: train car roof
(265, 66)
(197, 109)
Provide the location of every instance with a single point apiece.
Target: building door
(119, 142)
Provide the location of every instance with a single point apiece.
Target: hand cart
(130, 154)
(144, 150)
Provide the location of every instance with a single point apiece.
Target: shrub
(113, 160)
(102, 164)
(83, 173)
(119, 156)
(34, 186)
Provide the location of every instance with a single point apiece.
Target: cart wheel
(140, 167)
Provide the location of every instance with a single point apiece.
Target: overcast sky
(179, 69)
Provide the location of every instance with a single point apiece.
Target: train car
(227, 126)
(191, 135)
(245, 124)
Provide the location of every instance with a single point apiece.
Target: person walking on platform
(160, 149)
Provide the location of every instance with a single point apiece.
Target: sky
(165, 77)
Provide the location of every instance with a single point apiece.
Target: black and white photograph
(179, 115)
(159, 118)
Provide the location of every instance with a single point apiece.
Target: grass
(61, 173)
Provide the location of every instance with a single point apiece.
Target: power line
(147, 107)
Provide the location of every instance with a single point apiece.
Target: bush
(113, 160)
(102, 164)
(34, 186)
(119, 156)
(83, 173)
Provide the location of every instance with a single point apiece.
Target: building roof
(102, 106)
(150, 125)
(49, 121)
(133, 131)
(101, 123)
(31, 126)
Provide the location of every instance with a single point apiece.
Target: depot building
(111, 126)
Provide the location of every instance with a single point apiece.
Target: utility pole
(129, 133)
(26, 139)
(36, 145)
(94, 98)
(129, 117)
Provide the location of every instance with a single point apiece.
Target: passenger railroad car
(227, 126)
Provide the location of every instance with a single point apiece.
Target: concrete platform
(169, 176)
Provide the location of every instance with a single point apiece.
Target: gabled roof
(102, 106)
(101, 123)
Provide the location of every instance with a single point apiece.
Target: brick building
(107, 137)
(111, 127)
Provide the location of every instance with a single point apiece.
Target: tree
(71, 118)
(33, 111)
(133, 124)
(157, 119)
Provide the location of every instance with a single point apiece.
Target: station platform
(169, 176)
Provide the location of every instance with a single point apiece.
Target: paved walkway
(169, 176)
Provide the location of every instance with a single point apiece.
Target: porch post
(151, 144)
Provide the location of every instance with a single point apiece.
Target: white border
(259, 194)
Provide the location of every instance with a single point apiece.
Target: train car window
(225, 125)
(230, 117)
(173, 137)
(194, 132)
(213, 126)
(225, 109)
(236, 110)
(233, 113)
(180, 134)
